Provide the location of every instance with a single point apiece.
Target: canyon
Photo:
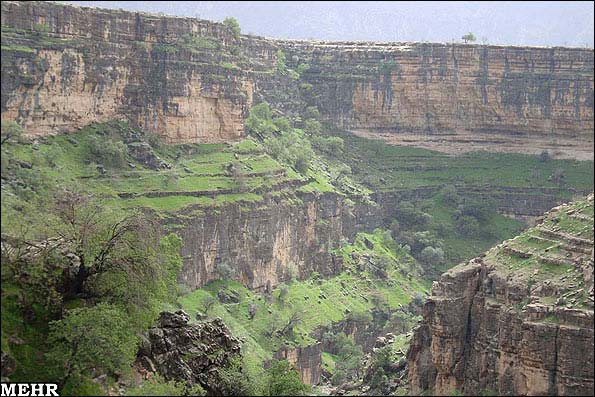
(426, 131)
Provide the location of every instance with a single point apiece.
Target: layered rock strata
(194, 81)
(272, 241)
(516, 321)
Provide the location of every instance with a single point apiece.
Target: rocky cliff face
(448, 96)
(516, 321)
(193, 353)
(271, 241)
(306, 359)
(194, 81)
(64, 67)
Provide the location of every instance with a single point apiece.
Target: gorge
(318, 188)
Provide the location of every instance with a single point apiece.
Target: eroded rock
(194, 353)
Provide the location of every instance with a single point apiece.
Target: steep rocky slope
(194, 81)
(517, 320)
(194, 353)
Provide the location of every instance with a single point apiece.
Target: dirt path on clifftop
(559, 147)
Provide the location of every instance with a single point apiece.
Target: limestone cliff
(456, 97)
(516, 321)
(194, 81)
(272, 242)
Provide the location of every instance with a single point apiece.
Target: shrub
(467, 226)
(360, 316)
(11, 132)
(41, 28)
(224, 271)
(160, 387)
(260, 121)
(234, 381)
(283, 292)
(282, 124)
(386, 68)
(302, 68)
(469, 37)
(558, 175)
(107, 151)
(292, 271)
(544, 156)
(432, 256)
(238, 176)
(349, 357)
(332, 145)
(208, 302)
(448, 195)
(312, 126)
(481, 210)
(411, 217)
(291, 148)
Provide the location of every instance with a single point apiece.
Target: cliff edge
(190, 80)
(516, 321)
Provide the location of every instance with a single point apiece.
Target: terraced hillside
(157, 163)
(518, 319)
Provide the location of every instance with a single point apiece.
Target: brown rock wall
(524, 329)
(194, 81)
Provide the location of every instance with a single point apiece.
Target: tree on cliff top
(232, 24)
(469, 37)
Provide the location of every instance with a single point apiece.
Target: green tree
(282, 124)
(283, 292)
(349, 358)
(481, 210)
(11, 132)
(469, 37)
(238, 176)
(312, 126)
(234, 381)
(107, 151)
(93, 340)
(260, 121)
(233, 25)
(544, 156)
(302, 69)
(449, 195)
(360, 316)
(432, 256)
(410, 217)
(281, 66)
(284, 380)
(312, 112)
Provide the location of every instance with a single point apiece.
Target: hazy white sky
(505, 22)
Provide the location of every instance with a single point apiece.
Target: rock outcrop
(516, 321)
(306, 359)
(188, 352)
(190, 80)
